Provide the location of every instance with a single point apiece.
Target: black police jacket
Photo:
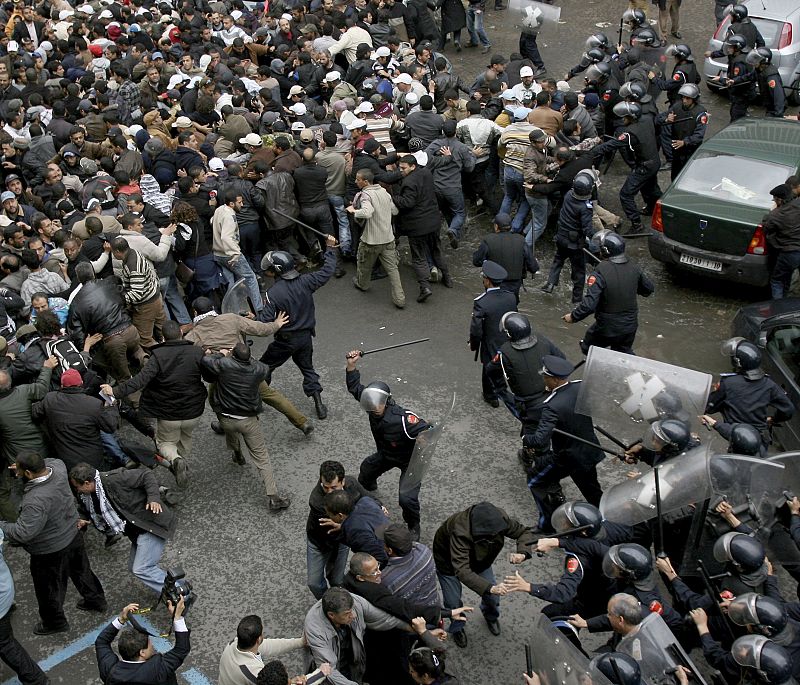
(521, 367)
(395, 432)
(236, 384)
(690, 124)
(574, 222)
(506, 249)
(582, 580)
(640, 139)
(770, 87)
(747, 401)
(484, 328)
(97, 308)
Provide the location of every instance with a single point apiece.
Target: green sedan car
(708, 221)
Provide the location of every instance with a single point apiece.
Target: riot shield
(559, 662)
(683, 480)
(658, 652)
(424, 449)
(237, 300)
(623, 393)
(769, 491)
(531, 15)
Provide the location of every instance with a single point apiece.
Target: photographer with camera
(138, 662)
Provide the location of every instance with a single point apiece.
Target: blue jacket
(358, 529)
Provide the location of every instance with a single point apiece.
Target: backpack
(67, 354)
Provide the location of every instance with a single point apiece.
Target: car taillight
(657, 224)
(786, 36)
(722, 29)
(758, 243)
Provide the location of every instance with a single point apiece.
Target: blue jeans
(241, 269)
(451, 596)
(782, 272)
(451, 205)
(325, 568)
(143, 562)
(514, 192)
(112, 449)
(345, 240)
(475, 26)
(174, 307)
(540, 208)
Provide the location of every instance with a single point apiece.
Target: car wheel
(794, 94)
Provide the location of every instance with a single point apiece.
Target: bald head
(308, 155)
(5, 381)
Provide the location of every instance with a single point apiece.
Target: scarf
(107, 519)
(200, 317)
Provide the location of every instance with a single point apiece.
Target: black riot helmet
(766, 616)
(667, 436)
(518, 329)
(582, 187)
(759, 56)
(628, 561)
(595, 55)
(737, 42)
(633, 91)
(737, 12)
(744, 553)
(745, 439)
(612, 246)
(679, 51)
(618, 667)
(376, 395)
(646, 37)
(597, 40)
(745, 357)
(597, 74)
(628, 109)
(769, 661)
(634, 18)
(280, 263)
(572, 515)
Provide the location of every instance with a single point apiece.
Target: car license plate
(701, 263)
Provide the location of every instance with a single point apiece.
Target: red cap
(71, 378)
(96, 50)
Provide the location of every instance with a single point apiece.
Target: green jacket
(18, 432)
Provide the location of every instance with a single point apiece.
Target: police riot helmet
(744, 439)
(582, 187)
(746, 554)
(667, 433)
(633, 91)
(595, 55)
(572, 515)
(770, 662)
(619, 668)
(737, 12)
(689, 90)
(679, 51)
(597, 40)
(634, 17)
(280, 263)
(759, 56)
(612, 246)
(376, 395)
(628, 560)
(745, 357)
(516, 326)
(737, 42)
(646, 37)
(766, 615)
(597, 73)
(628, 109)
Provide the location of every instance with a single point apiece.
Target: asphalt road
(241, 559)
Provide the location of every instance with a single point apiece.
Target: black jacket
(236, 384)
(488, 309)
(309, 185)
(416, 200)
(171, 383)
(97, 308)
(574, 222)
(362, 160)
(782, 226)
(317, 535)
(562, 181)
(253, 200)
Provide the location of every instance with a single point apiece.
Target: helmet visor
(754, 58)
(742, 609)
(728, 348)
(654, 439)
(671, 50)
(611, 569)
(746, 651)
(722, 547)
(563, 519)
(373, 399)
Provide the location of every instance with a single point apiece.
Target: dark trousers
(577, 265)
(492, 382)
(422, 247)
(285, 239)
(374, 466)
(319, 217)
(530, 50)
(16, 658)
(644, 180)
(50, 573)
(620, 343)
(545, 486)
(738, 107)
(785, 266)
(250, 244)
(299, 347)
(679, 159)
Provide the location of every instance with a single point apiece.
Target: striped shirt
(413, 577)
(139, 279)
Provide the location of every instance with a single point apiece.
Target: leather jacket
(97, 308)
(235, 384)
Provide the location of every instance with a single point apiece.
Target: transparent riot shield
(557, 661)
(424, 449)
(684, 480)
(531, 15)
(624, 393)
(658, 652)
(770, 491)
(236, 300)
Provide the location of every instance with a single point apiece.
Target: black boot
(322, 410)
(339, 266)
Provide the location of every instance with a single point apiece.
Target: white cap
(332, 76)
(421, 157)
(165, 19)
(251, 139)
(526, 71)
(135, 128)
(298, 108)
(175, 80)
(412, 98)
(236, 15)
(298, 126)
(86, 9)
(365, 106)
(12, 46)
(182, 122)
(563, 86)
(295, 90)
(286, 16)
(216, 164)
(63, 14)
(46, 45)
(382, 51)
(205, 60)
(105, 14)
(508, 95)
(356, 123)
(403, 78)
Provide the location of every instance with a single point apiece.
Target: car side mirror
(762, 339)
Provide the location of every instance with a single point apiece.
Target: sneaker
(460, 638)
(238, 458)
(181, 471)
(278, 502)
(83, 605)
(435, 275)
(485, 49)
(42, 629)
(399, 305)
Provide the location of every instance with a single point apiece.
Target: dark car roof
(755, 314)
(772, 140)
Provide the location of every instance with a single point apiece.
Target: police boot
(322, 410)
(548, 288)
(339, 266)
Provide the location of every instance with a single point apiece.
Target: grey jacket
(323, 641)
(48, 518)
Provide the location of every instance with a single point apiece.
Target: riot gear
(628, 109)
(737, 42)
(745, 357)
(595, 55)
(612, 246)
(516, 326)
(634, 17)
(633, 91)
(759, 56)
(746, 554)
(598, 73)
(737, 12)
(646, 37)
(744, 439)
(582, 187)
(280, 263)
(597, 40)
(572, 515)
(667, 433)
(769, 660)
(689, 90)
(629, 561)
(375, 396)
(619, 668)
(680, 51)
(766, 615)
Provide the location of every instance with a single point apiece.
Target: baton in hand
(362, 353)
(299, 223)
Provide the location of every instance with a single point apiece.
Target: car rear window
(769, 29)
(739, 180)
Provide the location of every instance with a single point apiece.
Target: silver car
(779, 24)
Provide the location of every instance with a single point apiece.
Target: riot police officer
(486, 336)
(619, 668)
(746, 395)
(583, 520)
(745, 559)
(636, 91)
(294, 294)
(597, 48)
(611, 295)
(395, 430)
(599, 79)
(770, 83)
(740, 79)
(639, 137)
(664, 439)
(683, 72)
(742, 437)
(558, 455)
(742, 25)
(684, 129)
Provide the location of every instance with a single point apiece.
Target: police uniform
(612, 294)
(558, 456)
(574, 226)
(690, 127)
(742, 400)
(743, 88)
(770, 87)
(485, 334)
(295, 296)
(509, 251)
(749, 31)
(682, 73)
(395, 435)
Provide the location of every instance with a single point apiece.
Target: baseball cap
(71, 378)
(182, 122)
(508, 95)
(403, 78)
(12, 46)
(63, 14)
(298, 108)
(92, 203)
(364, 107)
(205, 60)
(7, 195)
(521, 113)
(356, 123)
(332, 76)
(306, 135)
(382, 51)
(12, 177)
(296, 90)
(157, 55)
(251, 139)
(526, 71)
(216, 164)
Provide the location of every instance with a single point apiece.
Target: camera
(176, 586)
